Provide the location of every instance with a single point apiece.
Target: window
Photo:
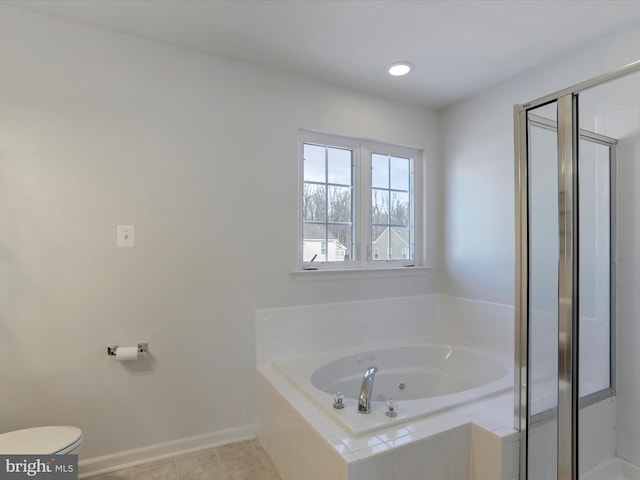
(357, 203)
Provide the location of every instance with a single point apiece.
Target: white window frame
(362, 153)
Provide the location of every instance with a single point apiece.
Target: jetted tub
(422, 378)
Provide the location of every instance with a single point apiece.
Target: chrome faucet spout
(364, 404)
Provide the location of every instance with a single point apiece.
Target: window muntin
(357, 199)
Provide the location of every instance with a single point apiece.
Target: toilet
(54, 440)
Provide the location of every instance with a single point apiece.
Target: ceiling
(458, 47)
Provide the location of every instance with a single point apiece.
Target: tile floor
(245, 460)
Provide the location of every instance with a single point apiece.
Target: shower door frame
(568, 333)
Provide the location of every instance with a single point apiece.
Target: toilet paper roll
(124, 354)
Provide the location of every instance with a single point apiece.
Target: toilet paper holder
(143, 347)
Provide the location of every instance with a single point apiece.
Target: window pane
(399, 209)
(379, 170)
(339, 204)
(314, 164)
(328, 216)
(400, 170)
(314, 203)
(379, 206)
(379, 243)
(339, 165)
(314, 242)
(342, 248)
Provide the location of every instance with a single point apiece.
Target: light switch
(126, 236)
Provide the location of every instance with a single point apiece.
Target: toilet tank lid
(38, 440)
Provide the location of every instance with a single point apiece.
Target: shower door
(548, 240)
(543, 217)
(552, 283)
(565, 281)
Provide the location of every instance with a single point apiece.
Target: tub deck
(306, 442)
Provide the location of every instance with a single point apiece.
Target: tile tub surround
(486, 325)
(291, 332)
(472, 442)
(245, 460)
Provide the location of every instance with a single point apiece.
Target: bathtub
(423, 379)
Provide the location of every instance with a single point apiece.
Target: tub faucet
(364, 404)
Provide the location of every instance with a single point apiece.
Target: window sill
(348, 273)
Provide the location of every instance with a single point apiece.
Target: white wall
(200, 153)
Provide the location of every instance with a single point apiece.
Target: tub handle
(391, 408)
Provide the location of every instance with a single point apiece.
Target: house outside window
(357, 203)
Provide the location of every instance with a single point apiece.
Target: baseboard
(129, 458)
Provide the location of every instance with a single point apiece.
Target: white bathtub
(435, 377)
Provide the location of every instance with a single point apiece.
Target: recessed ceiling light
(400, 68)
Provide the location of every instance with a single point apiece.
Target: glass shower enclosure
(568, 274)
